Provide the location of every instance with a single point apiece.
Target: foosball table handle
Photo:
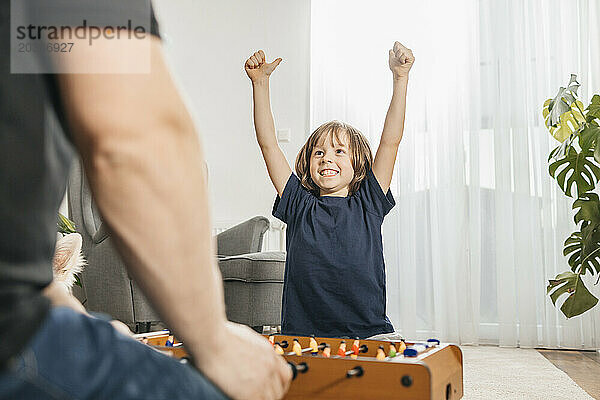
(355, 372)
(297, 368)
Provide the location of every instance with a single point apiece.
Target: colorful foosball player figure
(327, 351)
(170, 341)
(342, 349)
(355, 349)
(380, 353)
(145, 340)
(414, 350)
(402, 347)
(272, 340)
(278, 349)
(296, 348)
(392, 352)
(314, 347)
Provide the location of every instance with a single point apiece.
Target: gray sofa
(252, 280)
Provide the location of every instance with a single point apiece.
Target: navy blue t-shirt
(334, 271)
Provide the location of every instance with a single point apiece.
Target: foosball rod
(306, 350)
(302, 368)
(297, 368)
(362, 349)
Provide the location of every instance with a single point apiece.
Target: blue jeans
(73, 356)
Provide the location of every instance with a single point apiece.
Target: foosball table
(333, 368)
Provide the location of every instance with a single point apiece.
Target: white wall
(207, 43)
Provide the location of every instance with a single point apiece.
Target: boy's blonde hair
(360, 154)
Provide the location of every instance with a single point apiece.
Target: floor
(581, 366)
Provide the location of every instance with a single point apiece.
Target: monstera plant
(575, 164)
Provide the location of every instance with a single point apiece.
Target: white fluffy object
(68, 260)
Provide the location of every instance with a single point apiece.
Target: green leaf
(593, 110)
(583, 250)
(597, 152)
(567, 278)
(579, 300)
(588, 139)
(78, 281)
(575, 170)
(588, 136)
(65, 225)
(567, 123)
(560, 151)
(589, 209)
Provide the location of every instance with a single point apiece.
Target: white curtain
(479, 224)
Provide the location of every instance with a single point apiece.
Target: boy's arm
(401, 60)
(277, 166)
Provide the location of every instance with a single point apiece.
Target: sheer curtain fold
(479, 224)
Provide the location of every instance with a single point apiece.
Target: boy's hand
(257, 69)
(401, 60)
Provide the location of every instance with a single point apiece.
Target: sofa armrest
(243, 238)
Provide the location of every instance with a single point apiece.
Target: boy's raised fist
(257, 68)
(401, 60)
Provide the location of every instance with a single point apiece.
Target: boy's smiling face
(331, 166)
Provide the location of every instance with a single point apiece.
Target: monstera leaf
(562, 102)
(561, 151)
(589, 209)
(593, 110)
(588, 135)
(580, 299)
(567, 123)
(575, 169)
(588, 138)
(583, 250)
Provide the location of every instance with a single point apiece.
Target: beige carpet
(506, 373)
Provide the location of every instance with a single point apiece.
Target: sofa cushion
(267, 266)
(253, 287)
